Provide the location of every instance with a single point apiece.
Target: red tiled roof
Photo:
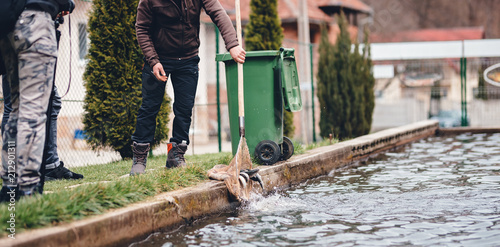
(287, 10)
(451, 34)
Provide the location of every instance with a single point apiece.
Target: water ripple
(439, 191)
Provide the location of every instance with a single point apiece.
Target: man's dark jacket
(167, 30)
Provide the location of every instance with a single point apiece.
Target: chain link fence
(407, 91)
(415, 90)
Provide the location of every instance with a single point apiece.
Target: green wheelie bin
(270, 85)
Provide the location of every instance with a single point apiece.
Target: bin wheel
(287, 148)
(267, 152)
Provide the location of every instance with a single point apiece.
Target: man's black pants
(184, 76)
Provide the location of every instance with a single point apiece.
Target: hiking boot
(9, 194)
(140, 151)
(61, 172)
(175, 157)
(30, 190)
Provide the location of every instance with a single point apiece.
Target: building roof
(287, 11)
(348, 6)
(450, 34)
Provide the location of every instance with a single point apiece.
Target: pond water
(439, 191)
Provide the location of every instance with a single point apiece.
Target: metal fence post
(219, 139)
(312, 92)
(463, 86)
(464, 116)
(463, 90)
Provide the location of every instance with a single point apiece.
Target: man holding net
(168, 34)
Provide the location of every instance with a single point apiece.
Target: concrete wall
(484, 113)
(171, 209)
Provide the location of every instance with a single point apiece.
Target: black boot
(175, 157)
(140, 151)
(9, 194)
(30, 190)
(61, 172)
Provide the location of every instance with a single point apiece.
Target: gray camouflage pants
(29, 54)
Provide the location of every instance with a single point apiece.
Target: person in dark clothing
(54, 167)
(29, 53)
(168, 34)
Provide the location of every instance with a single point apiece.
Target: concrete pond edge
(173, 209)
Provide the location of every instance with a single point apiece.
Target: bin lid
(266, 53)
(290, 81)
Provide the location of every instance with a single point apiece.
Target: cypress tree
(342, 63)
(264, 32)
(345, 86)
(357, 99)
(328, 91)
(369, 83)
(113, 79)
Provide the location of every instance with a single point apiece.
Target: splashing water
(440, 191)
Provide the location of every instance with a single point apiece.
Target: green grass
(301, 149)
(105, 187)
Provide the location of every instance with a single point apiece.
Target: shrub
(345, 85)
(113, 79)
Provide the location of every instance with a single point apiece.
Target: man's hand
(238, 54)
(159, 72)
(63, 13)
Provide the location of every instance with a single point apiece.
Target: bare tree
(398, 15)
